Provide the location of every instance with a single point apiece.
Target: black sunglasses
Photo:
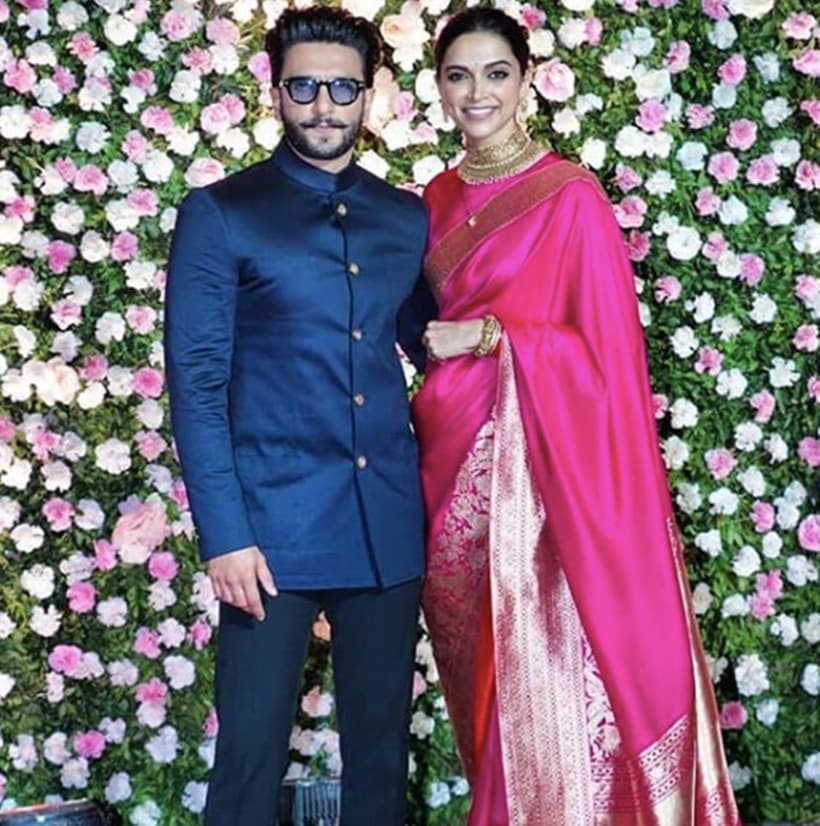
(342, 90)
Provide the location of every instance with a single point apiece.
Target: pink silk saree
(556, 594)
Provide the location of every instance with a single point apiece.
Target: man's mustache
(314, 122)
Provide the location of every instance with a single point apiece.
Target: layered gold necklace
(500, 160)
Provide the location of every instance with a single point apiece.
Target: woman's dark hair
(321, 24)
(484, 19)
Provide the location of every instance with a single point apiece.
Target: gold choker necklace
(500, 160)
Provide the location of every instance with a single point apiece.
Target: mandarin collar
(311, 176)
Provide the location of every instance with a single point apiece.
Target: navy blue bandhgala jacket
(288, 287)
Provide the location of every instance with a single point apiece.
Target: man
(289, 284)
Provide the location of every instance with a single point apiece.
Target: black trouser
(258, 677)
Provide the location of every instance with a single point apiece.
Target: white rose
(593, 153)
(731, 383)
(71, 16)
(158, 167)
(565, 122)
(119, 30)
(161, 595)
(426, 168)
(659, 144)
(398, 134)
(810, 629)
(374, 163)
(724, 96)
(747, 436)
(785, 629)
(733, 212)
(740, 776)
(660, 183)
(809, 681)
(810, 770)
(746, 562)
(6, 685)
(709, 542)
(751, 675)
(225, 59)
(266, 132)
(68, 217)
(675, 453)
(578, 5)
(185, 86)
(780, 213)
(734, 606)
(152, 47)
(92, 137)
(684, 243)
(752, 9)
(572, 32)
(786, 151)
(768, 65)
(631, 142)
(766, 711)
(724, 502)
(179, 671)
(426, 87)
(763, 310)
(775, 111)
(541, 42)
(783, 372)
(75, 773)
(684, 342)
(113, 456)
(752, 481)
(11, 230)
(15, 122)
(618, 65)
(163, 746)
(683, 414)
(726, 327)
(651, 83)
(27, 538)
(118, 788)
(806, 237)
(723, 35)
(772, 545)
(123, 175)
(703, 307)
(701, 598)
(47, 93)
(45, 622)
(38, 581)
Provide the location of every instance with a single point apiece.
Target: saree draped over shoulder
(556, 594)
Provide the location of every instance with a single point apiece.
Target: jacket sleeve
(418, 308)
(200, 307)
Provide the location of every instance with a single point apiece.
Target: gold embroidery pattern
(455, 588)
(500, 211)
(539, 662)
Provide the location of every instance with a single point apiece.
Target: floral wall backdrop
(701, 120)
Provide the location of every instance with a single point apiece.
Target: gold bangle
(490, 335)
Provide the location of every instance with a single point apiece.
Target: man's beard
(301, 137)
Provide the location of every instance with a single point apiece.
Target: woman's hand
(448, 339)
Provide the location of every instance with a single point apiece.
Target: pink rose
(667, 289)
(83, 47)
(813, 386)
(4, 16)
(177, 25)
(148, 383)
(179, 494)
(222, 32)
(143, 202)
(699, 117)
(58, 513)
(215, 119)
(763, 516)
(64, 80)
(91, 178)
(198, 60)
(808, 63)
(105, 557)
(763, 171)
(125, 247)
(199, 634)
(809, 451)
(770, 584)
(150, 445)
(204, 171)
(82, 597)
(807, 176)
(142, 79)
(732, 71)
(259, 67)
(742, 134)
(141, 320)
(763, 404)
(404, 106)
(808, 533)
(140, 532)
(66, 313)
(44, 443)
(532, 17)
(812, 109)
(163, 566)
(66, 169)
(554, 80)
(761, 606)
(707, 203)
(678, 56)
(720, 462)
(630, 212)
(211, 724)
(805, 338)
(660, 404)
(715, 246)
(733, 716)
(651, 115)
(153, 691)
(20, 76)
(626, 178)
(715, 9)
(90, 744)
(752, 268)
(419, 684)
(60, 255)
(799, 25)
(94, 367)
(638, 245)
(158, 119)
(723, 167)
(234, 106)
(593, 30)
(806, 287)
(65, 659)
(7, 430)
(147, 643)
(709, 361)
(135, 146)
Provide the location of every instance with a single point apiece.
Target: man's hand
(448, 339)
(236, 578)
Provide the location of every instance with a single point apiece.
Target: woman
(556, 594)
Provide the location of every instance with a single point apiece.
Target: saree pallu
(556, 595)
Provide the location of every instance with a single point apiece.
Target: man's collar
(311, 176)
